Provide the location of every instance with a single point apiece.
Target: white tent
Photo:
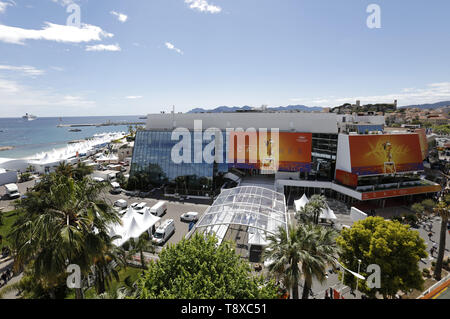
(257, 239)
(299, 203)
(133, 224)
(327, 213)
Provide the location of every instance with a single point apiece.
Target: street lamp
(359, 268)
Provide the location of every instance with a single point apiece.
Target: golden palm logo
(387, 154)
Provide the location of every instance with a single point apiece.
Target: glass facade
(152, 157)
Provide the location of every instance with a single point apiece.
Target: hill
(428, 106)
(225, 109)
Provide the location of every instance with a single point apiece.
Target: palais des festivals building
(348, 157)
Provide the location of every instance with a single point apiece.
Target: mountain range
(304, 108)
(224, 109)
(428, 106)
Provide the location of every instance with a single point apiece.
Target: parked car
(164, 231)
(131, 193)
(121, 203)
(140, 206)
(115, 188)
(133, 205)
(189, 217)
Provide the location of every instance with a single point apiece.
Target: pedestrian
(430, 235)
(432, 251)
(326, 294)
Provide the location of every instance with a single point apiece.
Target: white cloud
(18, 98)
(25, 69)
(103, 47)
(203, 6)
(53, 32)
(120, 16)
(170, 46)
(432, 93)
(64, 3)
(5, 4)
(134, 97)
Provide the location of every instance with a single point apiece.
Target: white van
(12, 191)
(159, 209)
(164, 231)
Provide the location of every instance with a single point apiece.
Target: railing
(440, 282)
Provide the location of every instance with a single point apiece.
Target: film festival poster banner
(289, 152)
(385, 154)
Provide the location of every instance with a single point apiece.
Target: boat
(75, 130)
(29, 117)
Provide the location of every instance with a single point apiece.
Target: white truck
(12, 191)
(159, 209)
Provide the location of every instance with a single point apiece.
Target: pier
(102, 124)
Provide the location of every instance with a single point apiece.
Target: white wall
(295, 121)
(343, 161)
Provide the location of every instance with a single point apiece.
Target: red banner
(347, 178)
(401, 192)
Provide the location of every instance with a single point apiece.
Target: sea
(42, 134)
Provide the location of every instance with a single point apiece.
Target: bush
(398, 219)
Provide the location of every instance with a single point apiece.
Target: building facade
(346, 156)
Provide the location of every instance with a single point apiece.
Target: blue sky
(208, 53)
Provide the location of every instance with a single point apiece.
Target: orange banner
(385, 154)
(423, 141)
(285, 151)
(401, 192)
(347, 178)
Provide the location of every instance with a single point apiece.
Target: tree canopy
(198, 268)
(389, 244)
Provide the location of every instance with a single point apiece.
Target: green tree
(304, 251)
(198, 268)
(317, 203)
(428, 205)
(62, 221)
(443, 210)
(82, 170)
(389, 244)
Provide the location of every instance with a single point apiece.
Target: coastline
(62, 154)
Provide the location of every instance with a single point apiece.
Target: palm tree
(143, 243)
(305, 215)
(443, 210)
(317, 203)
(65, 169)
(63, 221)
(82, 170)
(301, 251)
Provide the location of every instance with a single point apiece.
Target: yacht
(29, 117)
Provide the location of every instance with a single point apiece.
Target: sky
(134, 57)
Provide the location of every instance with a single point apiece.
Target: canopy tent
(299, 203)
(327, 212)
(133, 224)
(257, 239)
